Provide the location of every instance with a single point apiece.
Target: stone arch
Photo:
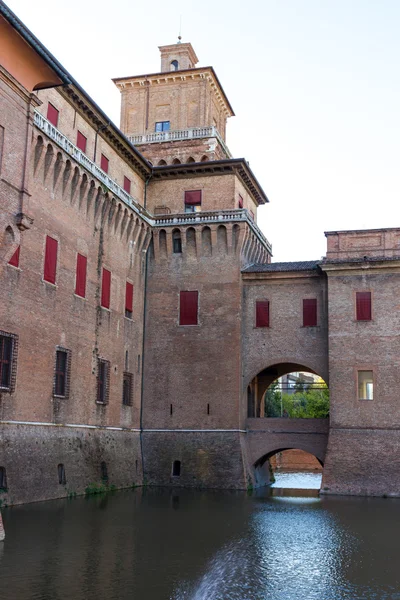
(176, 241)
(162, 241)
(204, 158)
(38, 152)
(191, 241)
(48, 160)
(190, 159)
(222, 239)
(66, 175)
(161, 163)
(176, 161)
(264, 378)
(235, 236)
(206, 244)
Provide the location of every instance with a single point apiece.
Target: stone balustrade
(61, 140)
(192, 133)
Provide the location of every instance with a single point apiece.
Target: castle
(141, 317)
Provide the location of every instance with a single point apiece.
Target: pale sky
(315, 86)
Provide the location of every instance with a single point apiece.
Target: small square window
(365, 385)
(162, 126)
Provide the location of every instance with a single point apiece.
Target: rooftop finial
(180, 30)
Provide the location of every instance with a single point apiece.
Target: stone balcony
(176, 135)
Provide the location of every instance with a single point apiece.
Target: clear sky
(315, 85)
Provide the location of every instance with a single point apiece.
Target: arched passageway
(287, 390)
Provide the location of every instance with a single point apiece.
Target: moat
(161, 544)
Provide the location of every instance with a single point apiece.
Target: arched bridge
(267, 436)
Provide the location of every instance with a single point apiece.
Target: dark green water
(157, 544)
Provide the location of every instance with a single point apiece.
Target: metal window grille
(103, 380)
(8, 361)
(127, 389)
(62, 370)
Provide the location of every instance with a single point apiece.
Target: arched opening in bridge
(288, 390)
(289, 469)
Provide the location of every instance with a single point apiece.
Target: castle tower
(178, 115)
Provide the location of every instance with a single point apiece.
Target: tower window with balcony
(174, 65)
(162, 126)
(192, 201)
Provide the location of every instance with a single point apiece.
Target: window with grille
(103, 380)
(127, 387)
(8, 361)
(61, 373)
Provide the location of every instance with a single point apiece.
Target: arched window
(174, 65)
(204, 158)
(191, 159)
(176, 161)
(176, 468)
(161, 163)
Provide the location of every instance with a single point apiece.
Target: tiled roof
(306, 265)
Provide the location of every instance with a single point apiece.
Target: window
(14, 260)
(80, 279)
(62, 480)
(61, 373)
(363, 306)
(162, 126)
(8, 361)
(262, 313)
(188, 308)
(192, 201)
(3, 479)
(176, 242)
(240, 201)
(104, 163)
(174, 65)
(176, 468)
(129, 300)
(365, 385)
(50, 260)
(127, 185)
(81, 141)
(52, 114)
(105, 288)
(309, 312)
(127, 385)
(103, 380)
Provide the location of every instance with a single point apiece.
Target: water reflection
(298, 480)
(188, 545)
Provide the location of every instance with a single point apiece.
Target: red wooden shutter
(81, 141)
(193, 198)
(106, 288)
(127, 185)
(240, 201)
(363, 306)
(52, 114)
(104, 163)
(14, 261)
(262, 313)
(80, 285)
(129, 297)
(50, 260)
(188, 308)
(309, 312)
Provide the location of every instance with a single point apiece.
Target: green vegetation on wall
(303, 404)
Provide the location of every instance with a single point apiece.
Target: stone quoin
(141, 316)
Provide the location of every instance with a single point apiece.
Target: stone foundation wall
(208, 459)
(363, 462)
(31, 455)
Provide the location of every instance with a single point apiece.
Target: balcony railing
(53, 133)
(212, 216)
(192, 133)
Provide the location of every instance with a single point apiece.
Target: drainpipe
(100, 128)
